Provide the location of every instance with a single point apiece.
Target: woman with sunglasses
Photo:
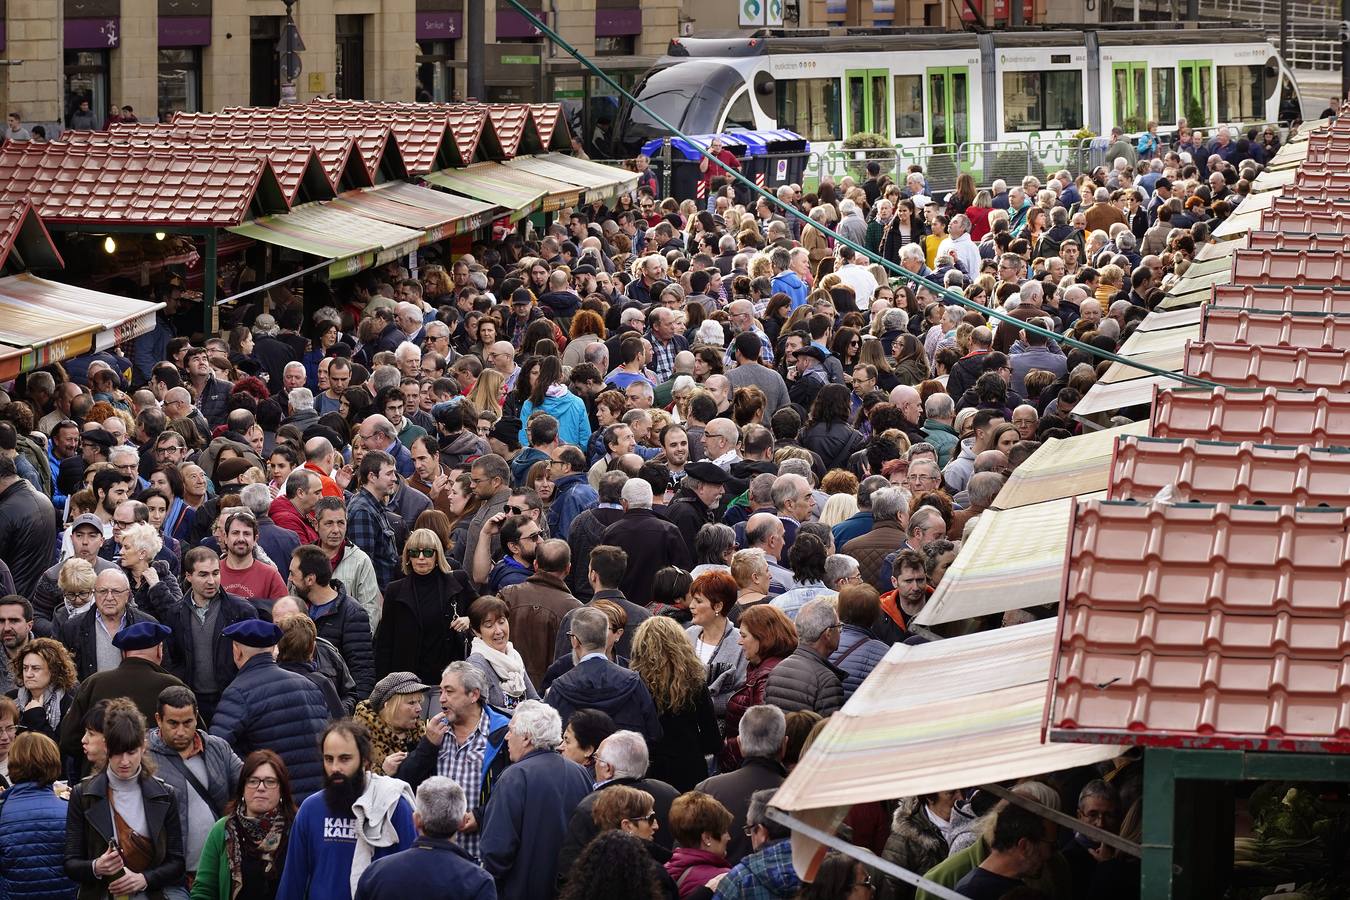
(424, 627)
(632, 812)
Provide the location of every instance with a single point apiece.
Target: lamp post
(289, 48)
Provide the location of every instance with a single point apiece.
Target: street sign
(759, 13)
(520, 60)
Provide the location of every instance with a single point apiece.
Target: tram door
(1129, 84)
(868, 98)
(1196, 77)
(948, 105)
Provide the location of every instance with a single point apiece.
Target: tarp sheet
(352, 241)
(437, 214)
(1064, 468)
(602, 182)
(933, 717)
(493, 183)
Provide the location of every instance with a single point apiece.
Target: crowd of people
(550, 561)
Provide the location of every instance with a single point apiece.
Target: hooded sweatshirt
(574, 426)
(597, 683)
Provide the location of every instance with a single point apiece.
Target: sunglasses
(649, 818)
(424, 552)
(515, 510)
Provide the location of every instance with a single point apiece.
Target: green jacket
(943, 439)
(213, 871)
(1054, 881)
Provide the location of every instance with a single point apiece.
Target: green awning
(353, 242)
(436, 214)
(510, 187)
(601, 182)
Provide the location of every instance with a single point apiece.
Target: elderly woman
(424, 625)
(713, 637)
(501, 664)
(153, 585)
(393, 715)
(750, 569)
(45, 674)
(767, 637)
(75, 580)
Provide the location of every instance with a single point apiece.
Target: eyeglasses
(750, 830)
(254, 783)
(425, 552)
(111, 592)
(11, 730)
(865, 883)
(835, 626)
(78, 596)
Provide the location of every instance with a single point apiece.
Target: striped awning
(519, 191)
(437, 214)
(353, 242)
(600, 182)
(42, 322)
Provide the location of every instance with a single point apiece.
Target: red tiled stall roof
(1221, 472)
(1242, 365)
(1280, 298)
(298, 168)
(1330, 181)
(1289, 239)
(1325, 221)
(1286, 329)
(552, 127)
(1308, 202)
(1204, 626)
(117, 185)
(1268, 416)
(1289, 267)
(24, 240)
(379, 148)
(432, 135)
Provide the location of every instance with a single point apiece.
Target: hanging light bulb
(109, 245)
(159, 235)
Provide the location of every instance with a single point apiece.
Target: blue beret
(141, 636)
(253, 633)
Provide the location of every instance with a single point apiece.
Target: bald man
(502, 357)
(906, 399)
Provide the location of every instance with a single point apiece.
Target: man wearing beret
(140, 677)
(267, 707)
(696, 503)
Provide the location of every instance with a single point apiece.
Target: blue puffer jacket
(33, 844)
(858, 654)
(574, 427)
(267, 707)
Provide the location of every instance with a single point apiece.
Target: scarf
(263, 837)
(508, 666)
(385, 738)
(51, 704)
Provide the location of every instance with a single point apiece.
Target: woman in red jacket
(767, 637)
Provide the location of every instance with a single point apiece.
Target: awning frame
(1067, 821)
(861, 854)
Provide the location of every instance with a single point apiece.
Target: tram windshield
(689, 95)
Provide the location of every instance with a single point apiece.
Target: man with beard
(243, 574)
(267, 707)
(520, 536)
(907, 600)
(359, 817)
(16, 630)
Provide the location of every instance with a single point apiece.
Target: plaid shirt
(663, 356)
(763, 875)
(368, 528)
(465, 765)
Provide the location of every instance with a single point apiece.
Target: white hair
(144, 536)
(710, 332)
(627, 752)
(538, 723)
(406, 349)
(301, 398)
(637, 493)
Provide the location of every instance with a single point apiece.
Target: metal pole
(1345, 50)
(665, 165)
(1284, 29)
(1192, 11)
(210, 311)
(476, 33)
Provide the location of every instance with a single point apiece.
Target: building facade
(162, 56)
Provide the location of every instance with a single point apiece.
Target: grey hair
(838, 567)
(939, 406)
(470, 678)
(1098, 788)
(538, 723)
(301, 397)
(256, 498)
(712, 542)
(122, 449)
(983, 488)
(761, 488)
(895, 320)
(590, 627)
(925, 517)
(888, 503)
(797, 467)
(637, 493)
(913, 253)
(786, 488)
(627, 752)
(870, 485)
(814, 619)
(441, 805)
(407, 348)
(727, 244)
(762, 729)
(42, 381)
(385, 377)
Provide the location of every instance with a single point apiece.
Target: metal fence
(1314, 54)
(985, 161)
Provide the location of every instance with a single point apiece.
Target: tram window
(1165, 95)
(810, 107)
(740, 114)
(908, 106)
(1043, 101)
(1242, 93)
